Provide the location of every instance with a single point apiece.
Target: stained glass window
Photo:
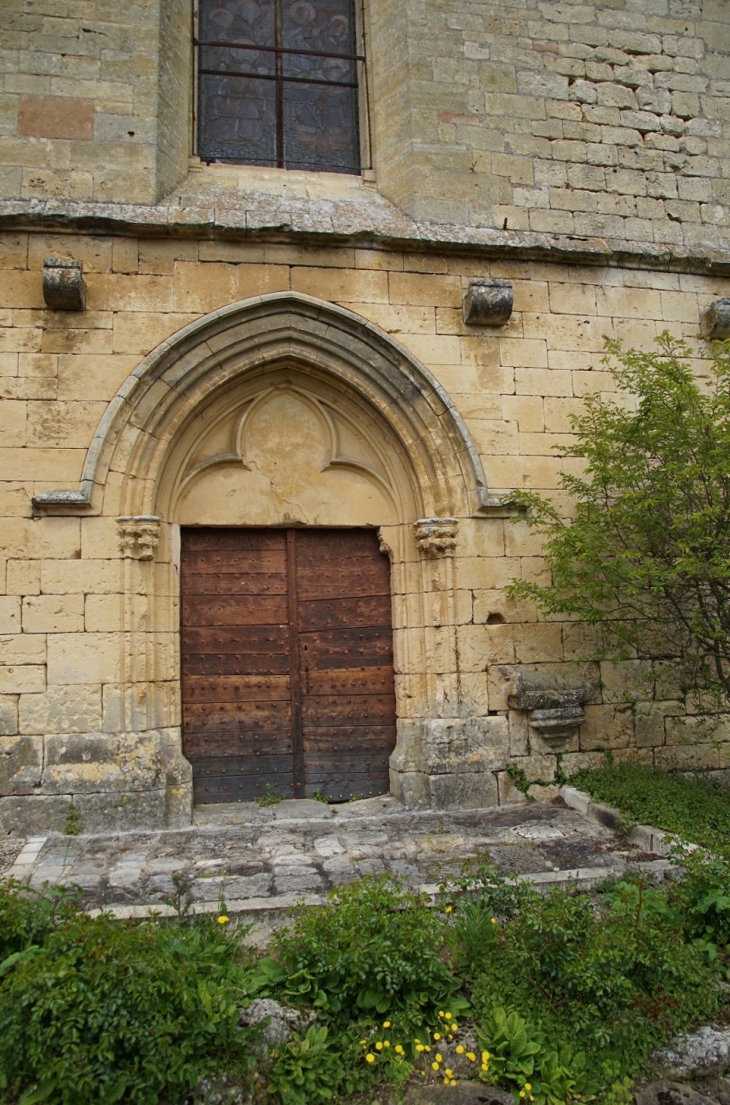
(277, 83)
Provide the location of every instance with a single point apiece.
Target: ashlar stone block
(21, 816)
(102, 763)
(21, 764)
(74, 709)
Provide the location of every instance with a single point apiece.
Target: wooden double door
(287, 663)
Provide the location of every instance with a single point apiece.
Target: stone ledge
(371, 221)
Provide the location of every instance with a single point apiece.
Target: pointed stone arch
(248, 339)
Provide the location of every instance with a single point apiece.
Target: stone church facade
(259, 343)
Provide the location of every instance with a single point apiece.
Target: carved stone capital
(488, 302)
(138, 536)
(436, 537)
(63, 284)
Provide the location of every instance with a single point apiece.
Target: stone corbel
(555, 711)
(436, 537)
(138, 536)
(63, 284)
(716, 320)
(488, 302)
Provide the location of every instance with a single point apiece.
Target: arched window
(278, 83)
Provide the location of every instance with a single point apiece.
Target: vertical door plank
(295, 663)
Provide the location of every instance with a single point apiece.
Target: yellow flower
(437, 1035)
(449, 1073)
(460, 1049)
(485, 1056)
(363, 1043)
(435, 1066)
(370, 1058)
(379, 1046)
(522, 1093)
(420, 1047)
(439, 1058)
(449, 909)
(453, 1082)
(427, 1048)
(447, 1016)
(386, 1043)
(454, 1026)
(470, 1056)
(528, 1087)
(223, 920)
(493, 920)
(386, 1024)
(441, 1012)
(399, 1050)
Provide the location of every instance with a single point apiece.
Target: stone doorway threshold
(294, 809)
(259, 862)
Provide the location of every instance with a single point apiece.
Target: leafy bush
(696, 808)
(376, 948)
(27, 916)
(613, 979)
(106, 1011)
(703, 896)
(645, 555)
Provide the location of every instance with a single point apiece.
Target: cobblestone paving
(258, 860)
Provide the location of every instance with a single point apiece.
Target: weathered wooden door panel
(236, 722)
(343, 593)
(287, 662)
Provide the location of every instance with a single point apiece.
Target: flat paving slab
(265, 860)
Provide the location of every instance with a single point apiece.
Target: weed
(320, 796)
(269, 797)
(180, 897)
(73, 824)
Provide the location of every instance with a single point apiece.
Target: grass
(694, 807)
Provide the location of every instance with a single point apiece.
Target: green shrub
(314, 1068)
(614, 978)
(28, 916)
(703, 896)
(644, 557)
(376, 948)
(106, 1011)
